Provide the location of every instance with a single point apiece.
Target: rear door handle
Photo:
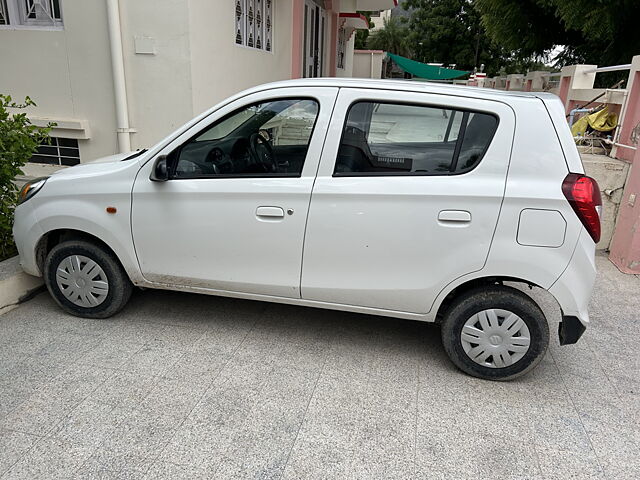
(454, 216)
(270, 212)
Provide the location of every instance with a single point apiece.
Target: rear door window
(402, 139)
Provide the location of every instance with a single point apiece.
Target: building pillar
(575, 77)
(333, 44)
(297, 40)
(534, 81)
(630, 119)
(514, 81)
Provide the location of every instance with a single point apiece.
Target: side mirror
(160, 172)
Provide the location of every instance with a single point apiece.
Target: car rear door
(392, 220)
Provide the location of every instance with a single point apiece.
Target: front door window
(264, 139)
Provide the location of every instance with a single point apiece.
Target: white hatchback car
(402, 199)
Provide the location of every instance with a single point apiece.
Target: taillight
(583, 195)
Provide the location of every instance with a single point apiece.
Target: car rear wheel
(86, 280)
(495, 333)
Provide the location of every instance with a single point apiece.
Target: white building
(117, 75)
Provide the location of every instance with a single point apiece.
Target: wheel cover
(82, 281)
(495, 338)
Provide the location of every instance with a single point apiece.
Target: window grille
(254, 24)
(61, 151)
(342, 45)
(4, 17)
(38, 13)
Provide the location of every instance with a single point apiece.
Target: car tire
(495, 333)
(86, 280)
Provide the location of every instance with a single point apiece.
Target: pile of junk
(595, 129)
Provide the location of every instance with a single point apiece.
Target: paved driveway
(182, 385)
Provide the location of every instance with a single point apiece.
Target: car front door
(407, 197)
(232, 215)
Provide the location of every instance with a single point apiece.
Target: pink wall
(297, 36)
(564, 89)
(333, 45)
(625, 245)
(632, 118)
(297, 40)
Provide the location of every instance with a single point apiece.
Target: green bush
(18, 141)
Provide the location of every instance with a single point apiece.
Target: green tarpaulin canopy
(423, 70)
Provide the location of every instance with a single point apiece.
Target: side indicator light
(112, 210)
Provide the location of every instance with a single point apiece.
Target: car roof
(402, 85)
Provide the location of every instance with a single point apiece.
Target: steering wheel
(262, 153)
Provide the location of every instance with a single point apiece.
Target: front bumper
(27, 233)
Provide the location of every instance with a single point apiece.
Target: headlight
(30, 189)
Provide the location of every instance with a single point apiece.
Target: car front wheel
(86, 280)
(495, 333)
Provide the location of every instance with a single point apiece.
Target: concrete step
(15, 285)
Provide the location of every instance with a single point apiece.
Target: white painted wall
(66, 72)
(347, 71)
(194, 63)
(378, 22)
(219, 67)
(367, 64)
(159, 86)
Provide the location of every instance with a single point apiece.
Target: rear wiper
(135, 154)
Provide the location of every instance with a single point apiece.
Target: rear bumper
(570, 330)
(573, 289)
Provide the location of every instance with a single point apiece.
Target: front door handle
(270, 212)
(454, 216)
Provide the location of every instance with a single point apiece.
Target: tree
(18, 140)
(599, 32)
(361, 34)
(392, 37)
(451, 32)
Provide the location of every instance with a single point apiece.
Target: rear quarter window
(400, 139)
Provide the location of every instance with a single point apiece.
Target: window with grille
(61, 151)
(254, 24)
(4, 17)
(37, 13)
(342, 46)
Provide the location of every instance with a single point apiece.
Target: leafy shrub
(18, 141)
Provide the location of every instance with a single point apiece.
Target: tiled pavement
(188, 386)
